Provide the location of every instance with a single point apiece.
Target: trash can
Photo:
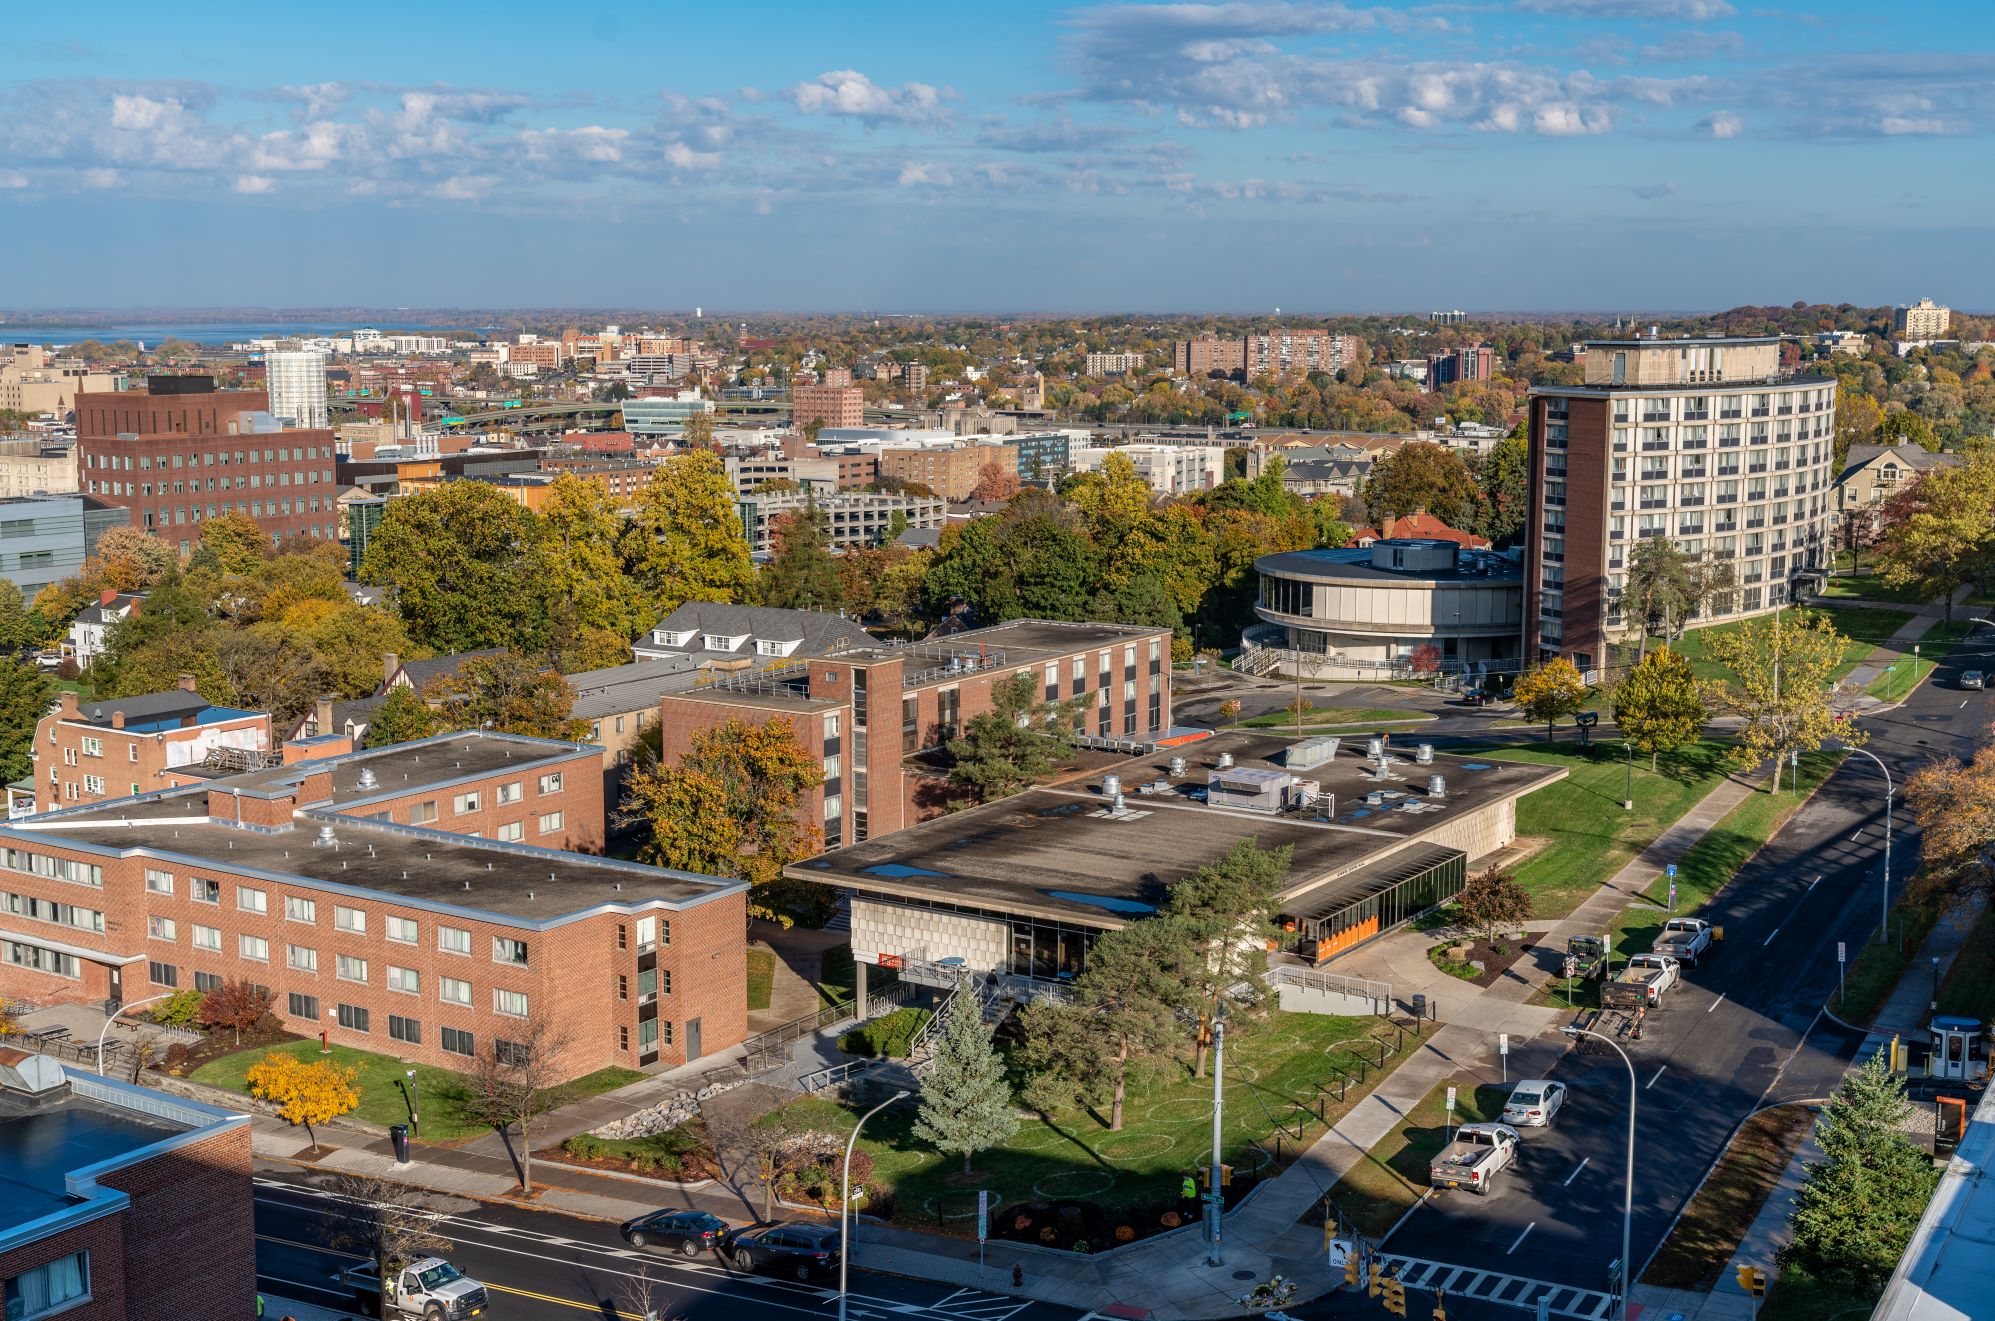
(398, 1134)
(1419, 1008)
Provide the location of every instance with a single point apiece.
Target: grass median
(1712, 1226)
(1873, 975)
(1392, 1176)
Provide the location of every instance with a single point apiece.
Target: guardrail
(1380, 993)
(781, 1038)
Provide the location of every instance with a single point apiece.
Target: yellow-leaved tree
(1549, 692)
(1785, 687)
(304, 1093)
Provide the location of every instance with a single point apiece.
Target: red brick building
(424, 900)
(87, 752)
(832, 405)
(114, 1192)
(868, 714)
(180, 452)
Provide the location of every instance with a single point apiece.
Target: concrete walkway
(1917, 626)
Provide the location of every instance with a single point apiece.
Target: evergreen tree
(1124, 1012)
(1861, 1203)
(802, 575)
(1658, 706)
(25, 695)
(965, 1101)
(1225, 916)
(1014, 743)
(402, 716)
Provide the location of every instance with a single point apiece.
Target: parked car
(1534, 1103)
(1475, 697)
(792, 1247)
(1686, 939)
(1640, 985)
(1973, 679)
(687, 1232)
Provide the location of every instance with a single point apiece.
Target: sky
(1509, 155)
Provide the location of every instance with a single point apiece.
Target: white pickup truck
(1478, 1154)
(1640, 985)
(1686, 939)
(430, 1288)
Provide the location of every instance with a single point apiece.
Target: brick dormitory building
(423, 900)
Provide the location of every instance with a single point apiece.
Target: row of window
(116, 462)
(253, 482)
(451, 991)
(59, 869)
(48, 910)
(24, 955)
(301, 908)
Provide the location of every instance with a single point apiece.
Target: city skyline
(1594, 153)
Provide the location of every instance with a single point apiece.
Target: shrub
(1171, 1220)
(180, 1009)
(67, 669)
(890, 1036)
(584, 1147)
(1124, 1234)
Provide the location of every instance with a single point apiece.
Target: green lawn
(761, 977)
(1969, 987)
(380, 1083)
(1379, 1189)
(1590, 836)
(1271, 1068)
(1873, 974)
(1335, 715)
(1866, 630)
(1867, 586)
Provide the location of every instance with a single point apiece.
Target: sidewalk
(1914, 628)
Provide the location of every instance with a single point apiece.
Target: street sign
(983, 1215)
(1451, 1100)
(1842, 951)
(1503, 1043)
(1670, 871)
(1672, 896)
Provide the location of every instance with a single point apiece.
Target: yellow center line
(494, 1288)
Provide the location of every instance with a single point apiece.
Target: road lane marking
(1653, 1081)
(1575, 1171)
(1720, 1000)
(1521, 1237)
(1812, 884)
(1769, 940)
(1857, 836)
(1963, 702)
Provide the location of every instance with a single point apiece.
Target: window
(511, 792)
(550, 822)
(351, 969)
(93, 784)
(405, 980)
(254, 947)
(207, 937)
(93, 747)
(623, 1037)
(349, 919)
(49, 1287)
(163, 974)
(422, 813)
(353, 1017)
(157, 881)
(550, 783)
(647, 1035)
(402, 929)
(510, 832)
(302, 957)
(204, 891)
(647, 985)
(511, 1053)
(159, 928)
(452, 991)
(453, 940)
(207, 981)
(300, 910)
(465, 803)
(510, 1003)
(405, 1029)
(458, 1042)
(252, 901)
(304, 1006)
(623, 987)
(507, 950)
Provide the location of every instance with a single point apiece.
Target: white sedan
(1534, 1103)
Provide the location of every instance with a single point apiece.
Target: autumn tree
(575, 557)
(402, 717)
(684, 541)
(237, 1004)
(697, 433)
(26, 694)
(517, 1079)
(132, 560)
(1422, 475)
(733, 806)
(1658, 707)
(1122, 1014)
(20, 628)
(238, 541)
(508, 692)
(1224, 919)
(388, 1223)
(1503, 477)
(1954, 804)
(308, 1093)
(1426, 659)
(1550, 692)
(1902, 426)
(460, 561)
(1019, 740)
(1492, 902)
(996, 482)
(965, 1101)
(1949, 539)
(1783, 685)
(802, 573)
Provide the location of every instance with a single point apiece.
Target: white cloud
(593, 143)
(849, 93)
(254, 183)
(141, 113)
(13, 179)
(1692, 11)
(1722, 125)
(682, 157)
(102, 178)
(317, 100)
(923, 174)
(463, 187)
(1901, 125)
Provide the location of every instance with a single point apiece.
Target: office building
(1169, 469)
(34, 381)
(837, 377)
(424, 899)
(1706, 442)
(295, 380)
(1474, 362)
(44, 539)
(852, 518)
(914, 375)
(948, 470)
(37, 465)
(123, 1203)
(180, 452)
(827, 405)
(1113, 364)
(1922, 320)
(868, 711)
(663, 417)
(1044, 455)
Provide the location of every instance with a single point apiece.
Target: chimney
(322, 716)
(187, 684)
(68, 700)
(1385, 527)
(390, 662)
(117, 720)
(105, 598)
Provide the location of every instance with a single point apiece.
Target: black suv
(791, 1248)
(691, 1232)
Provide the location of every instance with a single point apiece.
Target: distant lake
(219, 332)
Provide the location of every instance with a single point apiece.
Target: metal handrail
(1332, 982)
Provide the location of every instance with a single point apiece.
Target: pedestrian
(1188, 1190)
(1018, 1277)
(259, 1307)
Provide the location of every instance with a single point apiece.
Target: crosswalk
(1561, 1300)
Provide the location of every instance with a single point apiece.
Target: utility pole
(1214, 1203)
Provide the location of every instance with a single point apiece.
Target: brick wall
(190, 1205)
(579, 800)
(104, 1240)
(62, 767)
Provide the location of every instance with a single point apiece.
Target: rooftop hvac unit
(1111, 786)
(1310, 752)
(1437, 786)
(1425, 754)
(1248, 789)
(1225, 761)
(1178, 767)
(1375, 747)
(1306, 792)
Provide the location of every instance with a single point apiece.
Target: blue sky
(1511, 154)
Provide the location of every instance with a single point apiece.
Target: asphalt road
(543, 1266)
(1744, 1031)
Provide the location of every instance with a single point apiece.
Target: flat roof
(405, 768)
(39, 1145)
(1058, 853)
(1354, 564)
(1021, 640)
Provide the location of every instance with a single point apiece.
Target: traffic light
(1354, 1271)
(1395, 1297)
(1753, 1280)
(1378, 1283)
(1441, 1305)
(1225, 1176)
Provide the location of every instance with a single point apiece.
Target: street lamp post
(325, 1044)
(845, 1197)
(1628, 780)
(415, 1102)
(1214, 1206)
(114, 1018)
(1628, 1186)
(1936, 983)
(1884, 886)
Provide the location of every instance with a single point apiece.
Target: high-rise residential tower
(296, 382)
